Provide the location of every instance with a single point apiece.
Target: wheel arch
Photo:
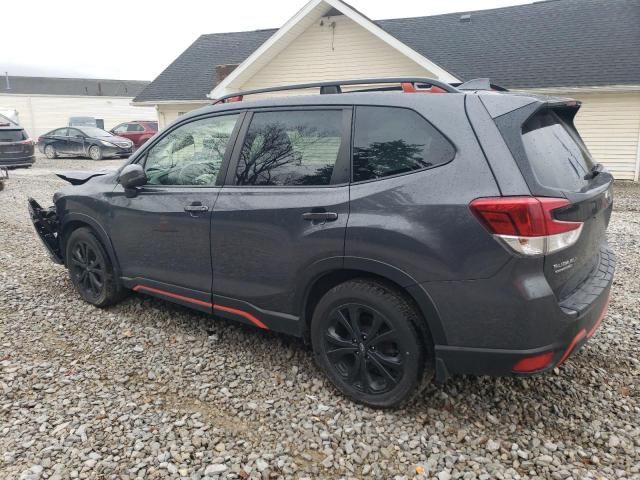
(321, 281)
(73, 221)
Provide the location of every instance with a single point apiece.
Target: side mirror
(131, 177)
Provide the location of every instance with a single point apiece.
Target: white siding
(168, 113)
(609, 123)
(324, 53)
(42, 113)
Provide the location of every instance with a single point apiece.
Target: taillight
(526, 224)
(28, 141)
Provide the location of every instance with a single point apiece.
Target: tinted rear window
(558, 156)
(392, 141)
(12, 135)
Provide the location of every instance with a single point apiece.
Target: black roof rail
(335, 86)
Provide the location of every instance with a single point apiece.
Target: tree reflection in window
(290, 148)
(391, 141)
(381, 159)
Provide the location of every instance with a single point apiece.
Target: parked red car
(138, 131)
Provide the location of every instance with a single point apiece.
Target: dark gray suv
(409, 230)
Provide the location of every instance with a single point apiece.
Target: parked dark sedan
(16, 148)
(84, 142)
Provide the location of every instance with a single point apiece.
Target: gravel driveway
(147, 389)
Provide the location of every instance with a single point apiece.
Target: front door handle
(320, 216)
(194, 208)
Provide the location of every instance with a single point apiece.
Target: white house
(585, 49)
(45, 103)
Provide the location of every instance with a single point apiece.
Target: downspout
(636, 177)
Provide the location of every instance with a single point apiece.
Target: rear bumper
(500, 362)
(17, 161)
(577, 318)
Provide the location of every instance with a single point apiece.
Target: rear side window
(290, 148)
(391, 141)
(555, 151)
(12, 135)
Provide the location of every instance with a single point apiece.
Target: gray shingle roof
(72, 86)
(547, 44)
(192, 75)
(554, 43)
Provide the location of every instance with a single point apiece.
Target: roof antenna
(6, 76)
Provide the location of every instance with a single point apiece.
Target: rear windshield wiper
(594, 172)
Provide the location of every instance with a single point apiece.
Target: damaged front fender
(47, 225)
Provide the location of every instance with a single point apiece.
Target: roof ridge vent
(466, 18)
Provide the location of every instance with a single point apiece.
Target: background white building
(45, 103)
(585, 49)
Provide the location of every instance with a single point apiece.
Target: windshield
(94, 132)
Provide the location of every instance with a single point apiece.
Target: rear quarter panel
(420, 222)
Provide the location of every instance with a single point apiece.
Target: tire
(91, 270)
(389, 348)
(95, 152)
(50, 152)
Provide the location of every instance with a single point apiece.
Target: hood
(115, 139)
(81, 176)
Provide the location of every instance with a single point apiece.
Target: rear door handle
(320, 216)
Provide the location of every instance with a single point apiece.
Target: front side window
(192, 154)
(61, 132)
(290, 148)
(392, 141)
(134, 127)
(75, 133)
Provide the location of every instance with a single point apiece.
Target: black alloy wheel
(88, 268)
(364, 348)
(365, 336)
(91, 270)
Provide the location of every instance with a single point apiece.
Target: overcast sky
(138, 39)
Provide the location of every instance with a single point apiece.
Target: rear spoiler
(498, 105)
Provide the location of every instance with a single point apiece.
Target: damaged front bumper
(45, 221)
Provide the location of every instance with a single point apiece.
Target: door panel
(62, 140)
(262, 244)
(75, 144)
(161, 234)
(286, 210)
(156, 239)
